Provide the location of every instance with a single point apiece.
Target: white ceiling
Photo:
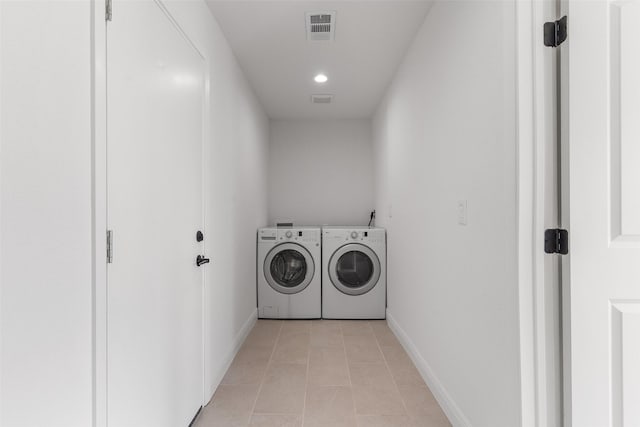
(269, 40)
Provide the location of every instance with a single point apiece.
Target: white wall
(45, 214)
(445, 132)
(46, 207)
(320, 172)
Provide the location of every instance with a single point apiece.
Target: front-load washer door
(354, 269)
(289, 268)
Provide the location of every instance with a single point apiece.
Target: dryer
(354, 274)
(288, 273)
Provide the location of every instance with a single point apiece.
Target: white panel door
(154, 118)
(601, 125)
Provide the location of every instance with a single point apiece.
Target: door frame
(531, 199)
(99, 222)
(99, 213)
(530, 128)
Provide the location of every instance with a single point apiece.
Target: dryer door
(354, 269)
(289, 268)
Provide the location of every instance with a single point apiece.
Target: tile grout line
(412, 418)
(346, 358)
(264, 376)
(386, 365)
(386, 362)
(306, 382)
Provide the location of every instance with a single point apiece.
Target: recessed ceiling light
(320, 78)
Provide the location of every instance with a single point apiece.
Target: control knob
(289, 234)
(354, 234)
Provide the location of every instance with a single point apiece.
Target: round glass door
(289, 268)
(354, 269)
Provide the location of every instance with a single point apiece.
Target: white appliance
(354, 279)
(288, 273)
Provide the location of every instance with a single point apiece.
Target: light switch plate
(462, 212)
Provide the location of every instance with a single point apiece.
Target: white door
(154, 119)
(601, 126)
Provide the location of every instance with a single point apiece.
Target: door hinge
(108, 10)
(109, 246)
(556, 241)
(555, 32)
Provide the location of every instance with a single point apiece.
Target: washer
(288, 273)
(354, 280)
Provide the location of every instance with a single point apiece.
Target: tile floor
(322, 373)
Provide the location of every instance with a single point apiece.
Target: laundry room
(273, 213)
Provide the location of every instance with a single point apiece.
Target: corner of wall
(219, 373)
(448, 405)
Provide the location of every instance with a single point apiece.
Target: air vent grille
(321, 26)
(321, 19)
(321, 99)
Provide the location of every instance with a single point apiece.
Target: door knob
(201, 260)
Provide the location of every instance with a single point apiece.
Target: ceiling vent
(321, 26)
(321, 99)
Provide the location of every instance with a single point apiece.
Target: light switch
(462, 212)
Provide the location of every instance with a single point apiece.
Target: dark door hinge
(556, 241)
(109, 246)
(108, 10)
(555, 32)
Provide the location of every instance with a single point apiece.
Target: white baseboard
(237, 343)
(453, 412)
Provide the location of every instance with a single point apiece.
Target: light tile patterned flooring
(322, 373)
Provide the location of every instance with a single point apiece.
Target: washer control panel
(267, 234)
(303, 235)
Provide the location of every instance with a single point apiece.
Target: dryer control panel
(369, 235)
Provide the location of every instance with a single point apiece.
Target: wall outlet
(462, 212)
